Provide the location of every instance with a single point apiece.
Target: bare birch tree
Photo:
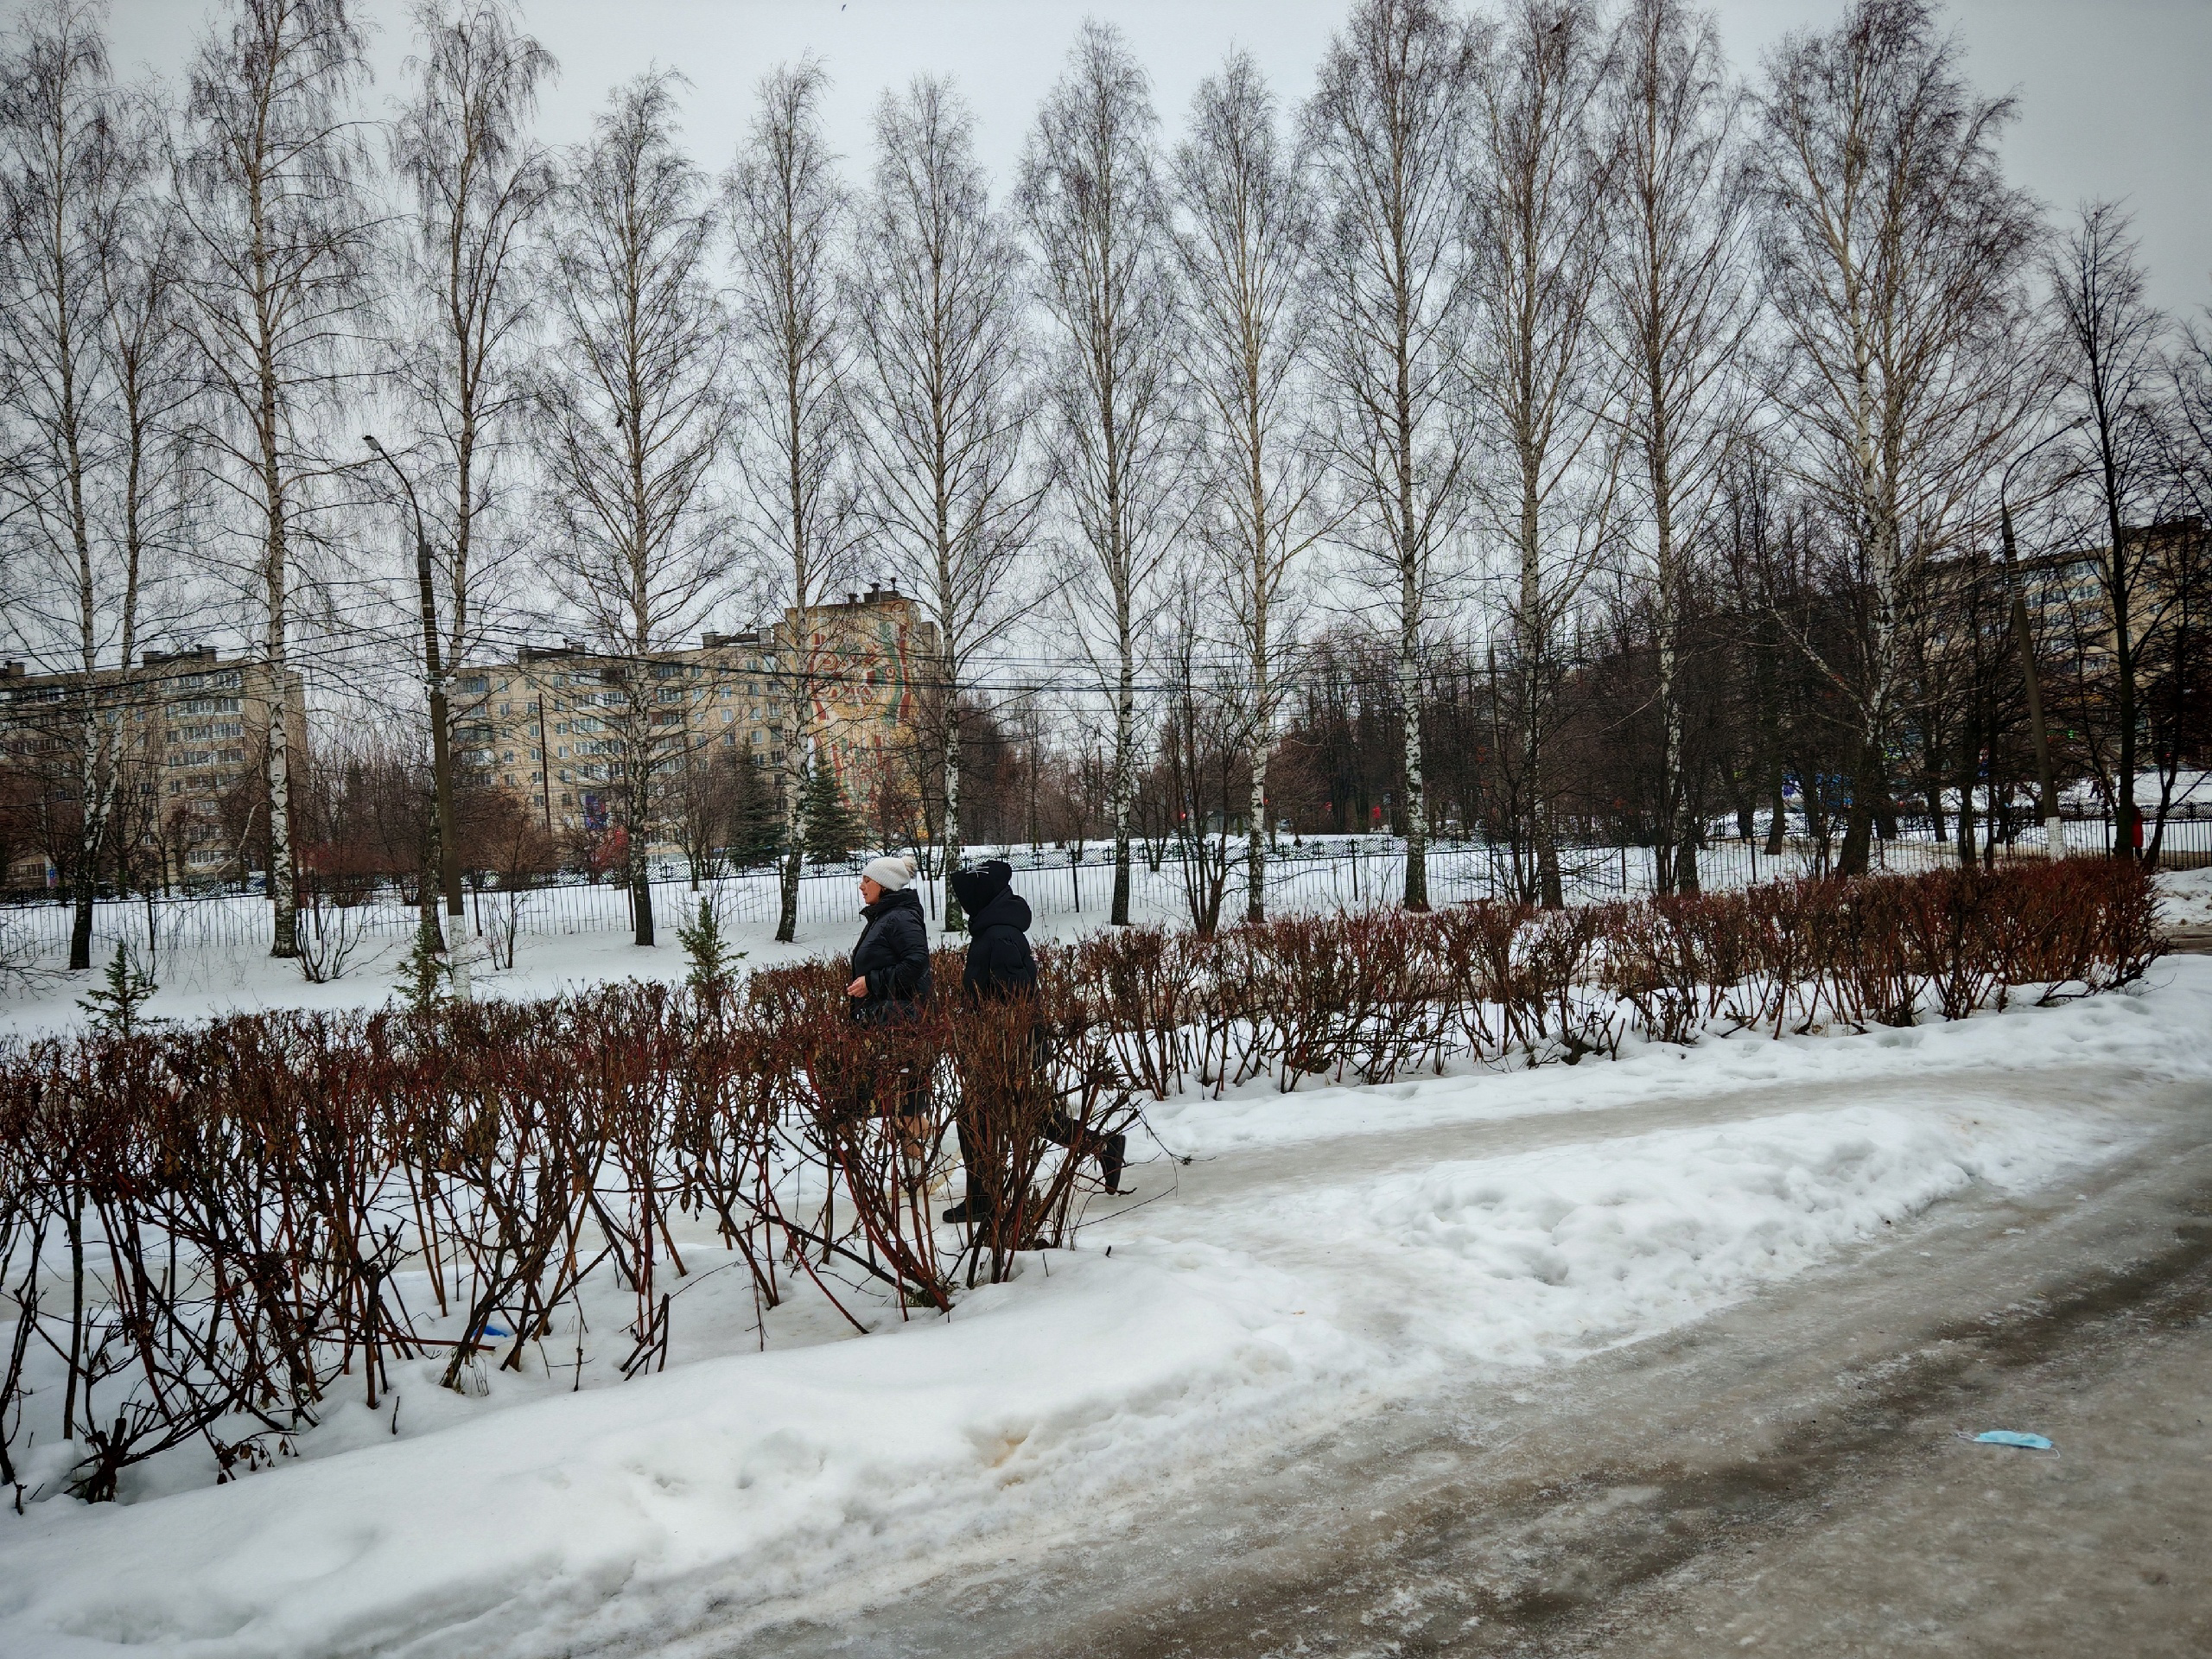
(787, 212)
(1247, 245)
(1680, 296)
(1387, 123)
(460, 140)
(1090, 195)
(1536, 233)
(153, 498)
(269, 184)
(936, 295)
(1893, 250)
(66, 172)
(2115, 376)
(635, 418)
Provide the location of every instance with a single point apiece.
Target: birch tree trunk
(787, 212)
(1893, 250)
(1094, 210)
(1678, 301)
(1388, 123)
(479, 183)
(634, 419)
(68, 169)
(1538, 237)
(935, 295)
(1246, 260)
(271, 193)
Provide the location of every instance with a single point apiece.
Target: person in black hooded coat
(1001, 966)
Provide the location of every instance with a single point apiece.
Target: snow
(1322, 1254)
(2185, 898)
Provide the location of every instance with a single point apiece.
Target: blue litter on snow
(494, 1331)
(2013, 1437)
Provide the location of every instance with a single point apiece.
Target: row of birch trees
(1494, 313)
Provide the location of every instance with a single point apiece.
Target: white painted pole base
(2053, 831)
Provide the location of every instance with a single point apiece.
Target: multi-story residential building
(2067, 594)
(552, 728)
(191, 725)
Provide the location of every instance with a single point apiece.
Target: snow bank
(1553, 1254)
(2185, 898)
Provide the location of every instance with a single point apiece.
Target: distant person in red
(1001, 966)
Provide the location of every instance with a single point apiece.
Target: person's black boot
(1113, 1152)
(974, 1208)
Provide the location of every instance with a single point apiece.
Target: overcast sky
(2110, 91)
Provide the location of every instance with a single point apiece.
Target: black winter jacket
(894, 957)
(999, 959)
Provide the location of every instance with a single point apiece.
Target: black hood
(976, 888)
(1007, 909)
(904, 898)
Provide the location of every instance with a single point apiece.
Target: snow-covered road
(1472, 1255)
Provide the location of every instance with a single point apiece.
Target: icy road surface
(1467, 1365)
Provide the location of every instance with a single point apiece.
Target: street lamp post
(434, 674)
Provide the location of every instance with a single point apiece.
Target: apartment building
(2068, 596)
(552, 727)
(192, 725)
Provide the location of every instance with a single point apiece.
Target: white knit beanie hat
(889, 873)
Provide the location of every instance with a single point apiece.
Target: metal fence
(1333, 873)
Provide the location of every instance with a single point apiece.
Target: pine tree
(423, 971)
(114, 1005)
(713, 964)
(756, 827)
(832, 830)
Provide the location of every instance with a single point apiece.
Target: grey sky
(2111, 90)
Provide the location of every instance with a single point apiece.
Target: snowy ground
(1319, 1259)
(2185, 899)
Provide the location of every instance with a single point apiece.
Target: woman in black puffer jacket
(891, 963)
(891, 981)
